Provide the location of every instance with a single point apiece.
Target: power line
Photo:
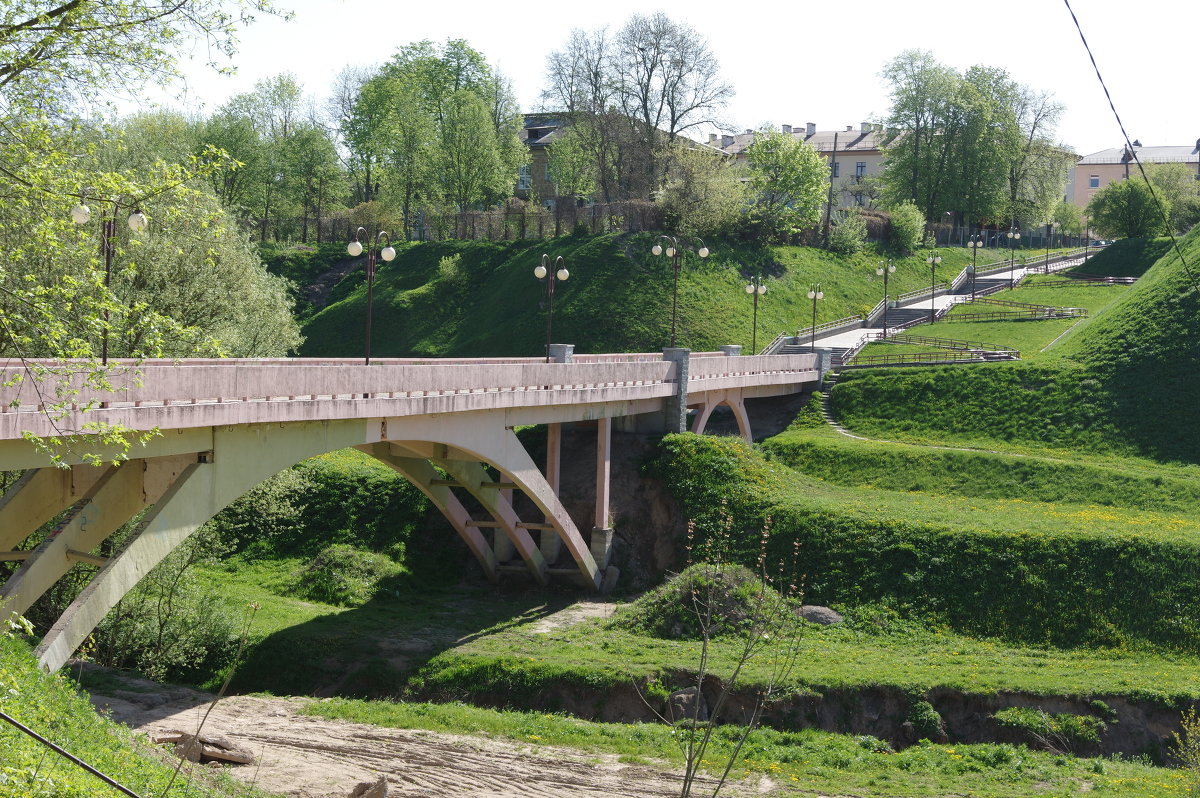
(1130, 149)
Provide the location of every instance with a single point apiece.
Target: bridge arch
(731, 399)
(242, 457)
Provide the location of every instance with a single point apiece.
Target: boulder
(687, 704)
(205, 748)
(814, 613)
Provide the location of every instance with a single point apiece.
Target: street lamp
(933, 260)
(1013, 235)
(555, 271)
(388, 253)
(885, 268)
(975, 243)
(815, 293)
(755, 288)
(1049, 243)
(674, 251)
(81, 214)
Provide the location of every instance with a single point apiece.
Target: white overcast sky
(791, 62)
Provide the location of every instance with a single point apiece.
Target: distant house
(1094, 172)
(854, 155)
(533, 179)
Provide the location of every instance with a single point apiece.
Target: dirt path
(311, 757)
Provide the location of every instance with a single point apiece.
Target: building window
(860, 170)
(1094, 181)
(548, 177)
(837, 167)
(524, 178)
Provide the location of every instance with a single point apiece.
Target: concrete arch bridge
(223, 426)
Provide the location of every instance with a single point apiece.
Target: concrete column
(824, 363)
(500, 542)
(553, 455)
(676, 406)
(731, 350)
(600, 543)
(562, 353)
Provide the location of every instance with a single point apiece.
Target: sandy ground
(310, 757)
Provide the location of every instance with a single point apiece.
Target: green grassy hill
(477, 298)
(1124, 382)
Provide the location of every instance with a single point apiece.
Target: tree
(469, 161)
(1068, 218)
(633, 94)
(572, 168)
(312, 172)
(52, 52)
(1127, 209)
(703, 193)
(908, 226)
(1178, 184)
(788, 179)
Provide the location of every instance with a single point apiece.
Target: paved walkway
(906, 310)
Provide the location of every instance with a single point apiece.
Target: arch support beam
(118, 495)
(39, 495)
(423, 475)
(735, 402)
(243, 456)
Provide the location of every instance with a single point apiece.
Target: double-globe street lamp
(674, 251)
(885, 268)
(755, 288)
(551, 272)
(815, 293)
(975, 243)
(1013, 235)
(81, 214)
(933, 260)
(388, 253)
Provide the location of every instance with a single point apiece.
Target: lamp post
(1087, 239)
(975, 243)
(674, 251)
(551, 271)
(1049, 243)
(81, 214)
(388, 253)
(885, 268)
(815, 293)
(933, 260)
(755, 288)
(1013, 235)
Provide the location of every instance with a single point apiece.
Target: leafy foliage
(849, 233)
(908, 226)
(788, 177)
(1127, 209)
(344, 576)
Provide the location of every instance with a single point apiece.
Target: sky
(789, 63)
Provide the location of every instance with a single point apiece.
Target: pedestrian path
(917, 310)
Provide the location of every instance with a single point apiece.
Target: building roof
(1116, 155)
(867, 138)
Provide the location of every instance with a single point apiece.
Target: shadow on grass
(370, 651)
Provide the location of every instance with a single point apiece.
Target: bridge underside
(447, 459)
(470, 466)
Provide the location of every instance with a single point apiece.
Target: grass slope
(475, 298)
(50, 706)
(1125, 382)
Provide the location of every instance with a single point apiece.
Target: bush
(1062, 732)
(732, 592)
(849, 234)
(926, 722)
(344, 576)
(908, 227)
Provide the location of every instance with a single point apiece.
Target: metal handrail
(996, 315)
(930, 357)
(945, 343)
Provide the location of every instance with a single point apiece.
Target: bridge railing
(167, 383)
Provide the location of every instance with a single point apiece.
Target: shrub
(731, 592)
(926, 722)
(849, 234)
(1061, 732)
(344, 576)
(908, 226)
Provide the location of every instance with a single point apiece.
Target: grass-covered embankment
(49, 705)
(1066, 574)
(480, 298)
(1126, 383)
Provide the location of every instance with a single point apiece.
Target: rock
(814, 613)
(373, 789)
(687, 704)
